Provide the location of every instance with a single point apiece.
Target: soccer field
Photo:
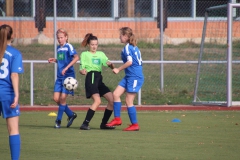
(199, 135)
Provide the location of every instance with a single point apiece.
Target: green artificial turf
(212, 135)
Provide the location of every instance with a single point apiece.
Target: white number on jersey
(139, 57)
(4, 70)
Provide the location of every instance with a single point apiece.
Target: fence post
(139, 97)
(31, 83)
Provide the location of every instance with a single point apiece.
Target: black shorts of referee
(94, 84)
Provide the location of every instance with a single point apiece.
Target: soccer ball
(70, 83)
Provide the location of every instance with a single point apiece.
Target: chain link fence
(104, 8)
(179, 77)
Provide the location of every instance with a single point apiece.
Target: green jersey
(93, 62)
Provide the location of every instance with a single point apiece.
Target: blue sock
(132, 113)
(61, 109)
(15, 146)
(68, 111)
(117, 108)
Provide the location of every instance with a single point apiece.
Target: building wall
(107, 32)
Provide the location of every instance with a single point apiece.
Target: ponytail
(88, 37)
(133, 40)
(129, 33)
(5, 35)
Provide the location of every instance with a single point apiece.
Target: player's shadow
(32, 126)
(36, 126)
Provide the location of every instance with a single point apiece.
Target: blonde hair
(88, 37)
(129, 33)
(5, 35)
(61, 30)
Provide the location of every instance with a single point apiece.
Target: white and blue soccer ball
(70, 83)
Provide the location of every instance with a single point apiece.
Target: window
(176, 8)
(94, 8)
(22, 8)
(135, 8)
(201, 6)
(64, 8)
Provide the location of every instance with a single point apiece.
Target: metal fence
(36, 85)
(173, 85)
(105, 8)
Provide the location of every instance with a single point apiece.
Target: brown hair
(61, 30)
(129, 33)
(5, 35)
(88, 37)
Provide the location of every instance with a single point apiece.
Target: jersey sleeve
(104, 59)
(72, 51)
(17, 65)
(128, 53)
(82, 61)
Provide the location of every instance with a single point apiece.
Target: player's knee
(116, 95)
(13, 128)
(97, 101)
(56, 99)
(128, 102)
(109, 97)
(62, 100)
(110, 101)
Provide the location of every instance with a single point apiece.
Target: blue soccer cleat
(70, 120)
(58, 124)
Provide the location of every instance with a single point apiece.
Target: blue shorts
(7, 111)
(132, 85)
(58, 87)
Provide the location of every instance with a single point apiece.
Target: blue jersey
(64, 57)
(11, 63)
(131, 53)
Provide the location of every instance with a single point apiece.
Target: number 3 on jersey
(3, 68)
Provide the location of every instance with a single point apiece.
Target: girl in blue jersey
(131, 83)
(92, 61)
(66, 58)
(10, 67)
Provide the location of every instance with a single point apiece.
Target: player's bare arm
(83, 72)
(15, 83)
(125, 65)
(110, 65)
(52, 60)
(75, 59)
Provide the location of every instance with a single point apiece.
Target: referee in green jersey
(91, 62)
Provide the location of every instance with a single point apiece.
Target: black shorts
(94, 84)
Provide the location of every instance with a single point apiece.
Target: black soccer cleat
(70, 120)
(103, 126)
(84, 127)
